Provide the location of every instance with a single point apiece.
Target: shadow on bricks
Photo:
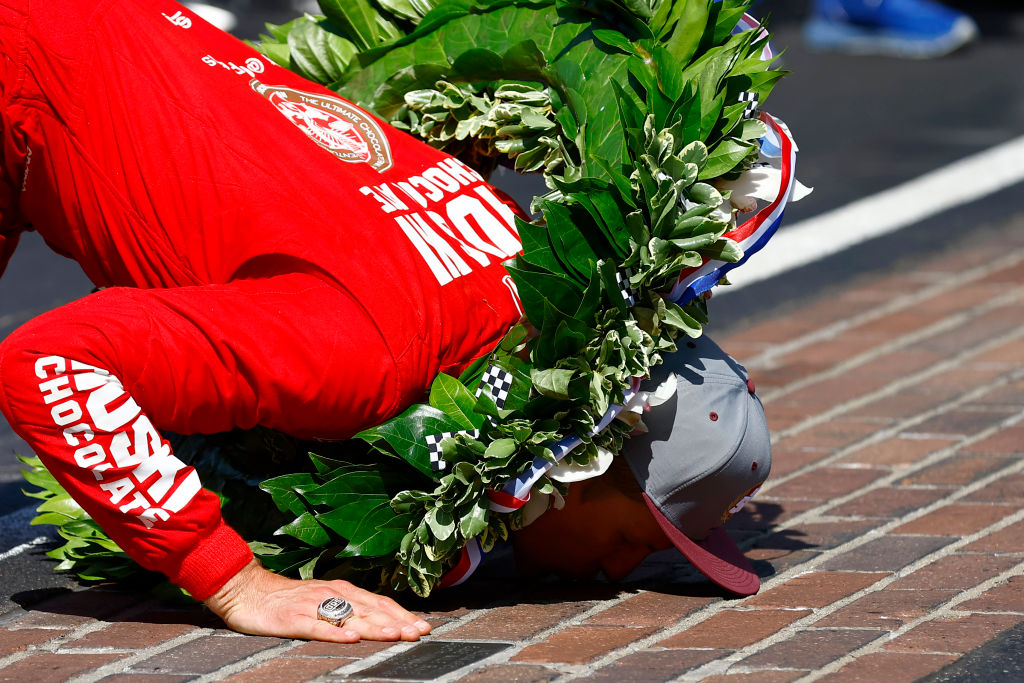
(114, 605)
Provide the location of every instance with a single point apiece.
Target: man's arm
(85, 384)
(260, 602)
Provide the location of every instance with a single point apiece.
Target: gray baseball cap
(706, 452)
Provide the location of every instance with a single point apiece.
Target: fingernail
(352, 634)
(422, 625)
(389, 632)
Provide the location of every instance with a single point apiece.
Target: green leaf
(613, 39)
(537, 288)
(724, 157)
(684, 28)
(53, 518)
(475, 522)
(306, 529)
(553, 382)
(537, 249)
(283, 491)
(346, 487)
(360, 22)
(62, 505)
(382, 535)
(724, 249)
(681, 320)
(455, 400)
(406, 435)
(441, 522)
(669, 72)
(307, 569)
(413, 10)
(572, 249)
(318, 53)
(500, 448)
(346, 519)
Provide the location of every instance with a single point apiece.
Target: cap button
(714, 417)
(750, 386)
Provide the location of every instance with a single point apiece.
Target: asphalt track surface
(864, 125)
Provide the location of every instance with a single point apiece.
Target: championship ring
(334, 611)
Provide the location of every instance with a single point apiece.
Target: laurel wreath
(630, 109)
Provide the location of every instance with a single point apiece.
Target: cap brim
(716, 557)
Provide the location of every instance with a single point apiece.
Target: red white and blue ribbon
(470, 559)
(754, 233)
(516, 492)
(749, 23)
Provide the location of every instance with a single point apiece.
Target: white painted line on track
(17, 536)
(19, 549)
(958, 183)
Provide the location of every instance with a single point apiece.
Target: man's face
(600, 529)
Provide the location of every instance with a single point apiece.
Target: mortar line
(831, 330)
(517, 646)
(376, 658)
(707, 612)
(946, 609)
(936, 457)
(562, 625)
(53, 644)
(250, 662)
(889, 431)
(819, 613)
(901, 342)
(897, 385)
(397, 648)
(124, 664)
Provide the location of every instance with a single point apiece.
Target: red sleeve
(103, 449)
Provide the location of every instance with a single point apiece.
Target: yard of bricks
(889, 538)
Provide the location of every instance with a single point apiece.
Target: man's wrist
(214, 560)
(225, 598)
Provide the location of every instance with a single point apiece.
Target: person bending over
(268, 254)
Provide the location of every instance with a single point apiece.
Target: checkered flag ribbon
(751, 99)
(437, 463)
(496, 382)
(628, 293)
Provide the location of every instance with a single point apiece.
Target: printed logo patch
(339, 127)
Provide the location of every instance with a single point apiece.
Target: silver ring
(334, 611)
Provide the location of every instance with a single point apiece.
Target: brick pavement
(890, 537)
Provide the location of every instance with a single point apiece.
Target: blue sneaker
(918, 29)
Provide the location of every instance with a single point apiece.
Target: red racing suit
(271, 255)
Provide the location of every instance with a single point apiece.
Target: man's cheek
(621, 562)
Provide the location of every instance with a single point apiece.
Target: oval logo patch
(341, 128)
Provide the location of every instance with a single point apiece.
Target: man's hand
(260, 602)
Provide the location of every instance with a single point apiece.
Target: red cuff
(212, 562)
